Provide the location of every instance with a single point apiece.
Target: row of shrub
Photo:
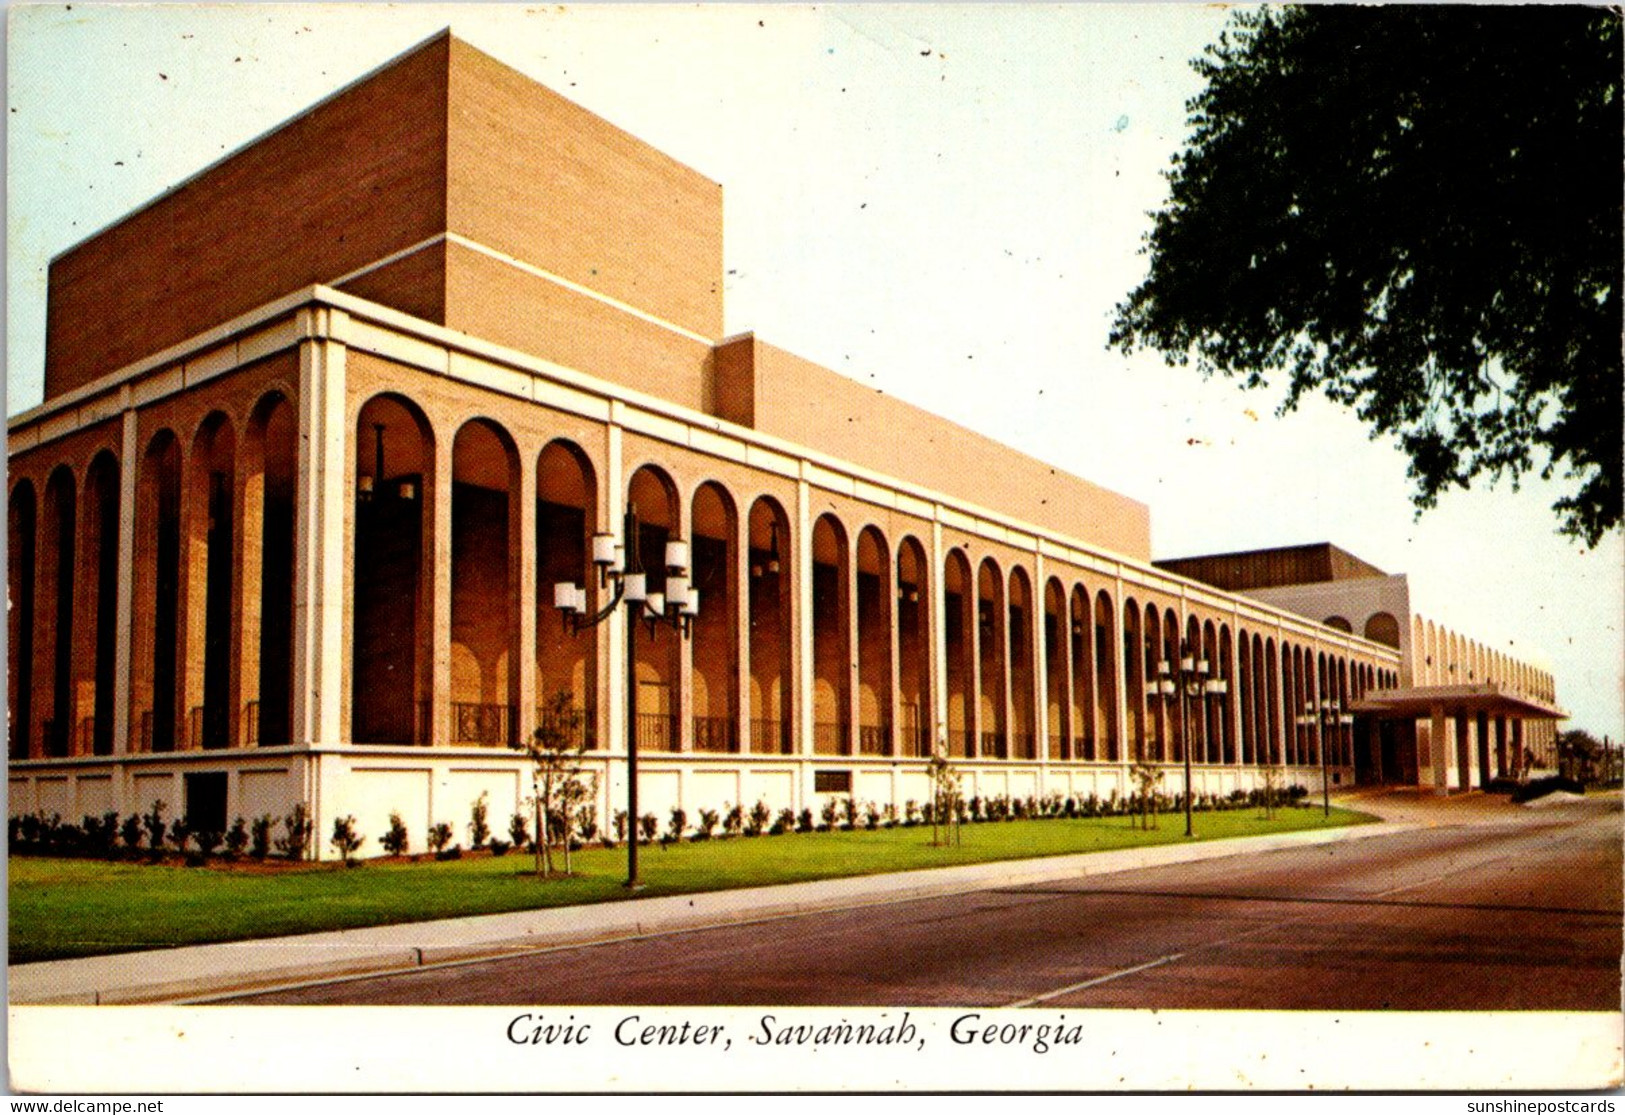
(151, 836)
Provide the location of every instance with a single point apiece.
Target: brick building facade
(326, 423)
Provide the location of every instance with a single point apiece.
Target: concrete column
(1438, 748)
(440, 591)
(973, 699)
(935, 592)
(854, 649)
(1115, 636)
(893, 606)
(801, 623)
(740, 577)
(124, 608)
(1464, 750)
(611, 634)
(1039, 607)
(522, 670)
(323, 508)
(248, 533)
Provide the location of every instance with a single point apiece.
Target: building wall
(449, 380)
(777, 393)
(534, 176)
(355, 179)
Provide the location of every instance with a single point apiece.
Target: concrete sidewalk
(202, 971)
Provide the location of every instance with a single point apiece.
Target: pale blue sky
(944, 202)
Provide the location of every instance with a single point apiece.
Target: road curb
(204, 971)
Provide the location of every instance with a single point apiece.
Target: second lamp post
(677, 605)
(1191, 683)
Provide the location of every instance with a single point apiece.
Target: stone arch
(771, 591)
(265, 493)
(959, 629)
(1023, 670)
(22, 523)
(1382, 627)
(991, 625)
(653, 495)
(484, 584)
(913, 648)
(875, 603)
(97, 622)
(567, 516)
(392, 622)
(714, 642)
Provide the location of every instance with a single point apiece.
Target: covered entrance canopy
(1477, 728)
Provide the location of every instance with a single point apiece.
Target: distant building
(1461, 712)
(325, 425)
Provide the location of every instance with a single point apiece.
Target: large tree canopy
(1416, 210)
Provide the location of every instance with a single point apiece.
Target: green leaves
(1416, 212)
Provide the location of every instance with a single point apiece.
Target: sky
(943, 202)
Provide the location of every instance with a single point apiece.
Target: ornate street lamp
(1191, 683)
(1328, 715)
(677, 606)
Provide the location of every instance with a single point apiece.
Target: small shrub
(519, 830)
(830, 814)
(236, 838)
(180, 834)
(783, 823)
(479, 831)
(208, 841)
(733, 821)
(911, 813)
(871, 815)
(707, 824)
(804, 821)
(620, 826)
(849, 813)
(345, 838)
(756, 823)
(297, 826)
(648, 827)
(155, 825)
(397, 839)
(679, 822)
(499, 847)
(439, 837)
(259, 845)
(587, 821)
(888, 815)
(130, 831)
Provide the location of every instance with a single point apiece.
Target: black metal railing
(874, 739)
(582, 733)
(657, 731)
(715, 733)
(830, 737)
(483, 725)
(770, 737)
(208, 726)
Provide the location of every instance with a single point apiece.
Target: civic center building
(326, 424)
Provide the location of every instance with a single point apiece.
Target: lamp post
(1328, 714)
(677, 606)
(1192, 683)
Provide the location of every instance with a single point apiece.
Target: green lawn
(66, 907)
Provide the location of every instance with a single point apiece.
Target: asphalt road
(1516, 915)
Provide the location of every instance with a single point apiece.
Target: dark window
(206, 802)
(832, 781)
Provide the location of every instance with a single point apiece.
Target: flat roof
(1420, 700)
